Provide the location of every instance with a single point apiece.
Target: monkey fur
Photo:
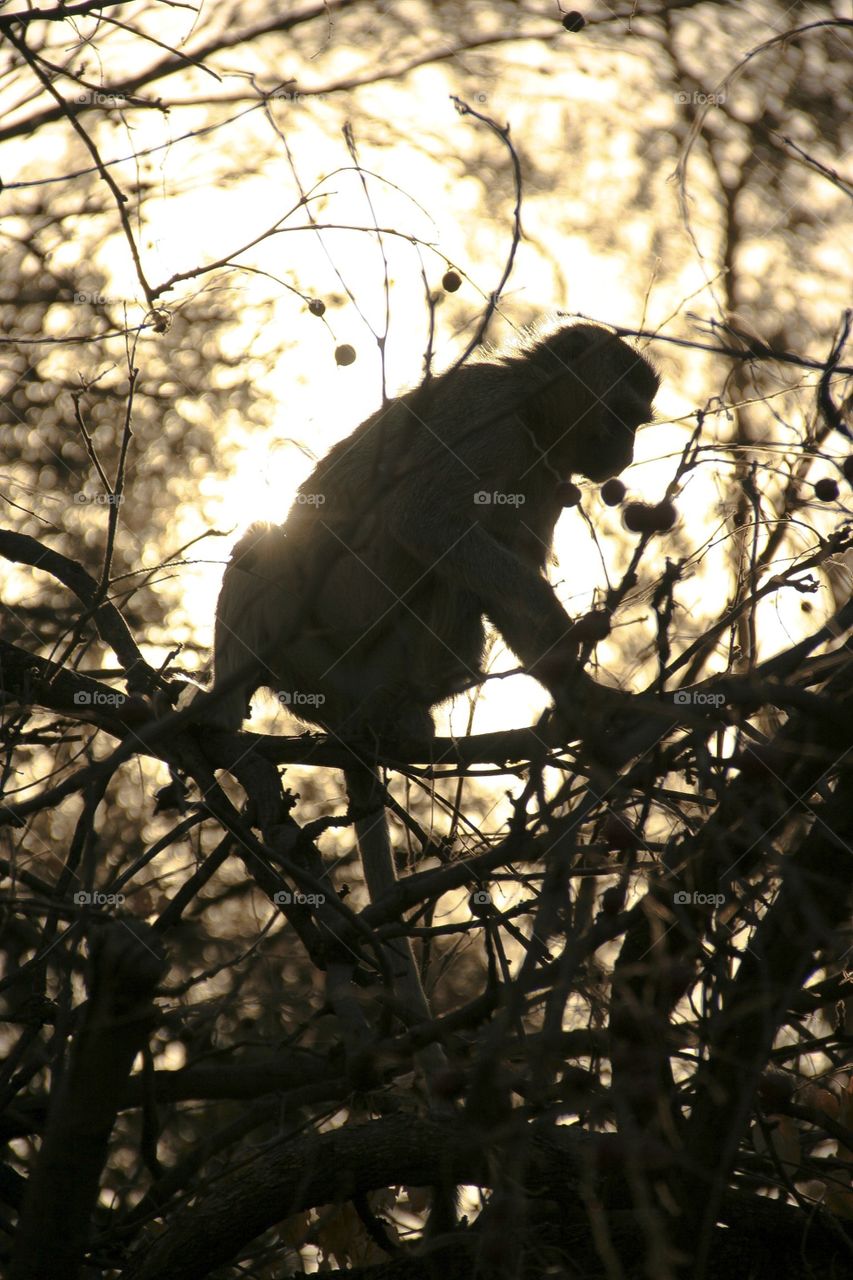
(367, 606)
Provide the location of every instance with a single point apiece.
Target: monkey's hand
(610, 722)
(614, 726)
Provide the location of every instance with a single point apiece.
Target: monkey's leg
(377, 858)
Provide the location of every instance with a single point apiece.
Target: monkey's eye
(627, 413)
(621, 417)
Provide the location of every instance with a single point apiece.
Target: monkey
(367, 607)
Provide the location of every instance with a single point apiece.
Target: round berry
(450, 281)
(344, 354)
(826, 489)
(574, 21)
(316, 307)
(638, 518)
(665, 516)
(613, 492)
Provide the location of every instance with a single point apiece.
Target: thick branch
(126, 966)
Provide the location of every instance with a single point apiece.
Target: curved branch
(112, 628)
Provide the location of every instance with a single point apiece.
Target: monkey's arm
(514, 596)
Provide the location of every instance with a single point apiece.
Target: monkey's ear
(559, 349)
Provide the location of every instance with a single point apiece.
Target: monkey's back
(452, 453)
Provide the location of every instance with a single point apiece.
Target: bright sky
(419, 191)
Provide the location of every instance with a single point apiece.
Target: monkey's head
(589, 392)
